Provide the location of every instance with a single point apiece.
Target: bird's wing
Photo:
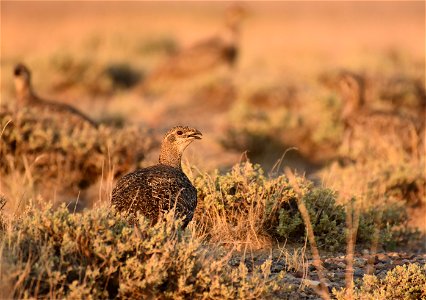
(154, 190)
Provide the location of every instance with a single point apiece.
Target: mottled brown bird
(370, 131)
(28, 98)
(221, 49)
(162, 187)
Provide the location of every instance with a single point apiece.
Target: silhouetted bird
(161, 187)
(27, 97)
(221, 49)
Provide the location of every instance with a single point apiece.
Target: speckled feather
(159, 188)
(154, 190)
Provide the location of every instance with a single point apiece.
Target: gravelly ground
(301, 281)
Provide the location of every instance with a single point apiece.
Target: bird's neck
(231, 33)
(354, 103)
(170, 156)
(25, 94)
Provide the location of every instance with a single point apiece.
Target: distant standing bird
(221, 49)
(27, 97)
(159, 188)
(374, 131)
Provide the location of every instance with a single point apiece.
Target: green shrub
(97, 254)
(245, 194)
(328, 219)
(402, 282)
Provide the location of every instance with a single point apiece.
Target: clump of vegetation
(55, 150)
(81, 73)
(157, 45)
(57, 254)
(263, 123)
(402, 282)
(255, 129)
(87, 75)
(405, 182)
(244, 202)
(398, 181)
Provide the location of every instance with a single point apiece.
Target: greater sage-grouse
(207, 54)
(28, 98)
(370, 131)
(162, 187)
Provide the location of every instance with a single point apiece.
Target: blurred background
(249, 75)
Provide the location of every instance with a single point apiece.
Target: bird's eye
(179, 132)
(17, 71)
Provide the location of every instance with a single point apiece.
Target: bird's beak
(195, 134)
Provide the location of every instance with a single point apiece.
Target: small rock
(316, 283)
(381, 273)
(370, 269)
(380, 266)
(298, 274)
(397, 262)
(292, 280)
(359, 262)
(277, 267)
(330, 266)
(340, 275)
(358, 273)
(313, 283)
(234, 262)
(382, 257)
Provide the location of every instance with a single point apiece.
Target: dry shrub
(380, 182)
(57, 254)
(90, 75)
(244, 205)
(67, 155)
(402, 282)
(263, 129)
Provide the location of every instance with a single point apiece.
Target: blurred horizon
(331, 30)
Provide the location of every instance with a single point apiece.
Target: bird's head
(175, 142)
(351, 88)
(22, 77)
(234, 15)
